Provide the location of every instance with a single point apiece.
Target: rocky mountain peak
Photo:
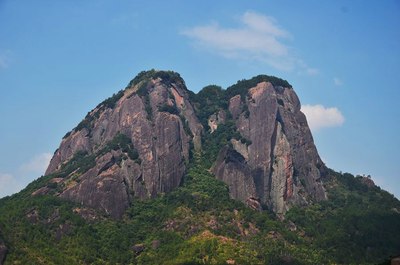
(280, 165)
(134, 145)
(138, 144)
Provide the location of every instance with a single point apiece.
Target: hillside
(159, 175)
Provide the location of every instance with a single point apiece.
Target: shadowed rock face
(159, 121)
(281, 166)
(275, 164)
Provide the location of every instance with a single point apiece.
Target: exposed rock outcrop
(231, 167)
(154, 113)
(216, 119)
(137, 144)
(281, 165)
(367, 181)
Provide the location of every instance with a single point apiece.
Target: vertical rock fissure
(159, 170)
(271, 163)
(126, 186)
(180, 133)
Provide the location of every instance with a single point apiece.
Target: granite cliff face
(281, 166)
(137, 144)
(158, 122)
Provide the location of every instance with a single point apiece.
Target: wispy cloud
(319, 117)
(37, 164)
(259, 38)
(337, 81)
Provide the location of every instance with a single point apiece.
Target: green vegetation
(242, 86)
(208, 101)
(143, 91)
(111, 101)
(169, 109)
(142, 80)
(80, 162)
(357, 223)
(195, 224)
(221, 137)
(168, 77)
(67, 134)
(123, 143)
(212, 99)
(198, 223)
(86, 123)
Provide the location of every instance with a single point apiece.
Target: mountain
(137, 145)
(157, 174)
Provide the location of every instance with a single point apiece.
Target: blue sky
(59, 59)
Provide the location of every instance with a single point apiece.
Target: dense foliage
(358, 222)
(208, 101)
(212, 98)
(111, 101)
(168, 77)
(199, 224)
(195, 224)
(242, 86)
(217, 140)
(170, 109)
(120, 142)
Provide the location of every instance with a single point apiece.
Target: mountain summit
(157, 174)
(137, 144)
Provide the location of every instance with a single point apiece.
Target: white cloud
(264, 24)
(337, 81)
(319, 117)
(259, 38)
(37, 164)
